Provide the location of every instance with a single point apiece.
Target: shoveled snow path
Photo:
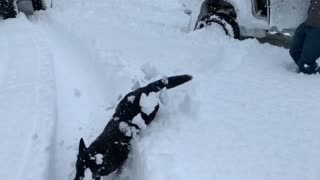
(48, 90)
(27, 102)
(80, 92)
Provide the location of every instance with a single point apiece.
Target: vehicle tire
(38, 5)
(8, 9)
(228, 23)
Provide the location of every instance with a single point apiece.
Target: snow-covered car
(252, 17)
(10, 8)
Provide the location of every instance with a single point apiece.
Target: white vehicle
(252, 17)
(10, 8)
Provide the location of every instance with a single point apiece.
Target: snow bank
(149, 102)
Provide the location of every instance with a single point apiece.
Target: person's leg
(311, 51)
(7, 9)
(297, 43)
(38, 5)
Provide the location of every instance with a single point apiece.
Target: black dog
(114, 142)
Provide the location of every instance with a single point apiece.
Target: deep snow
(245, 115)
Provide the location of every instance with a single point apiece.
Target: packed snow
(137, 120)
(131, 98)
(149, 102)
(245, 115)
(98, 158)
(129, 131)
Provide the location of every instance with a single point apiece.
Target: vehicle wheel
(38, 5)
(228, 23)
(8, 9)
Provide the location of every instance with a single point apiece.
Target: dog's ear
(81, 163)
(82, 146)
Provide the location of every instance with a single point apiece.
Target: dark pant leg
(310, 51)
(297, 43)
(38, 5)
(7, 9)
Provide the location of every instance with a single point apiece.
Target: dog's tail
(168, 83)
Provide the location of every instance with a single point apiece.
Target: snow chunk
(149, 71)
(134, 131)
(163, 96)
(131, 98)
(137, 120)
(98, 158)
(87, 174)
(124, 127)
(149, 102)
(165, 80)
(129, 131)
(287, 34)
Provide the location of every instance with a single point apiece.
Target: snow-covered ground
(245, 115)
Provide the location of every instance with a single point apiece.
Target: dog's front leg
(148, 118)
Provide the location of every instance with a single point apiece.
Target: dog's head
(83, 160)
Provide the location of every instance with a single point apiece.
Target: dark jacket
(314, 14)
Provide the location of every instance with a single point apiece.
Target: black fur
(113, 143)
